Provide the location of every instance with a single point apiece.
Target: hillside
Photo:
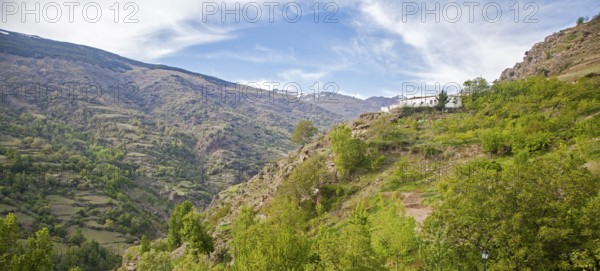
(347, 106)
(516, 138)
(516, 172)
(91, 140)
(568, 54)
(94, 146)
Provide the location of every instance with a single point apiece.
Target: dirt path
(414, 207)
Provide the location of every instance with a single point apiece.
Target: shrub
(495, 142)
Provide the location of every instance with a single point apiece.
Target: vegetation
(303, 132)
(510, 173)
(442, 100)
(350, 153)
(516, 172)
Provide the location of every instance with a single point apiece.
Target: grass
(96, 199)
(5, 208)
(101, 236)
(25, 219)
(62, 207)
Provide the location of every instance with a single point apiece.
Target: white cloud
(258, 54)
(442, 51)
(162, 28)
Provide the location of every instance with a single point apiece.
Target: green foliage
(350, 153)
(88, 255)
(528, 215)
(393, 234)
(144, 244)
(348, 249)
(495, 142)
(442, 100)
(472, 89)
(194, 233)
(190, 262)
(77, 238)
(303, 132)
(155, 261)
(38, 252)
(276, 244)
(174, 237)
(9, 234)
(303, 182)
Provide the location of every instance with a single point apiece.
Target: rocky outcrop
(568, 54)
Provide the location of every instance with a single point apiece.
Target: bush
(495, 142)
(349, 152)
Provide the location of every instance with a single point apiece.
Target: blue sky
(367, 48)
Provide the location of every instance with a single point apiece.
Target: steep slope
(568, 54)
(526, 135)
(110, 143)
(504, 173)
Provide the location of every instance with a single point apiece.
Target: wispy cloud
(445, 50)
(258, 54)
(373, 48)
(145, 30)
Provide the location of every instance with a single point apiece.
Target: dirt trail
(414, 207)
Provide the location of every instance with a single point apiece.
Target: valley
(108, 163)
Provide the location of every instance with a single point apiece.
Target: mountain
(517, 168)
(567, 54)
(348, 106)
(95, 141)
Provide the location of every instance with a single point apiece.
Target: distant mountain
(84, 116)
(348, 106)
(568, 54)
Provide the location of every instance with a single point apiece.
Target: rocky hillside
(95, 141)
(487, 161)
(568, 54)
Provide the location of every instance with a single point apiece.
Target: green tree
(176, 223)
(349, 152)
(144, 244)
(77, 238)
(155, 261)
(300, 186)
(442, 100)
(394, 235)
(472, 89)
(195, 234)
(88, 256)
(38, 254)
(276, 244)
(529, 215)
(303, 132)
(348, 248)
(9, 234)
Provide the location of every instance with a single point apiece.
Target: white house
(454, 101)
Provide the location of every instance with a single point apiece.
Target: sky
(361, 48)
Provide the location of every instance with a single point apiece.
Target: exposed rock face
(568, 54)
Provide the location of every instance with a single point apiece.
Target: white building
(454, 101)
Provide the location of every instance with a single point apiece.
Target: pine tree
(176, 223)
(442, 100)
(144, 244)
